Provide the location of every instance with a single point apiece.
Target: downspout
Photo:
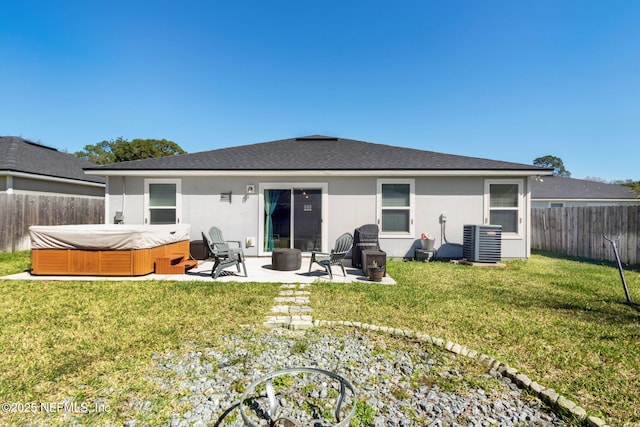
(124, 193)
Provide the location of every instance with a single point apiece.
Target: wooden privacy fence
(19, 211)
(578, 231)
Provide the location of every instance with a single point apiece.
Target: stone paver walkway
(292, 310)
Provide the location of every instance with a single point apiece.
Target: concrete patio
(258, 270)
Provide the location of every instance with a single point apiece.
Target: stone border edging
(548, 395)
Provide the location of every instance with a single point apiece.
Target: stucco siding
(21, 184)
(125, 195)
(203, 208)
(351, 202)
(459, 199)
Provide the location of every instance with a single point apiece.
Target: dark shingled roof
(561, 188)
(19, 155)
(320, 153)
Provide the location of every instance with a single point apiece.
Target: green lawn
(561, 322)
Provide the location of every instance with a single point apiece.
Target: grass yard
(561, 322)
(91, 341)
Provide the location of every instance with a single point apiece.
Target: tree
(552, 162)
(120, 150)
(99, 153)
(595, 179)
(627, 182)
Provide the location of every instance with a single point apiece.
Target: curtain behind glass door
(277, 219)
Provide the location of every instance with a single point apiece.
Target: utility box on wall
(482, 243)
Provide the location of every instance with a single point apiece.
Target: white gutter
(584, 200)
(289, 173)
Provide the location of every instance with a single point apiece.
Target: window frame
(147, 203)
(292, 185)
(411, 208)
(519, 209)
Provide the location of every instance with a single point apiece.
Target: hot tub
(104, 249)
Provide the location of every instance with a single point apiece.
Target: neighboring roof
(561, 188)
(22, 156)
(318, 153)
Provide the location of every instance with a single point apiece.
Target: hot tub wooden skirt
(78, 262)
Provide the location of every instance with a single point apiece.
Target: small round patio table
(286, 259)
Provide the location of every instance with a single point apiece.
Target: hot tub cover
(106, 236)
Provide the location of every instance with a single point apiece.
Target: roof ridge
(12, 152)
(24, 156)
(19, 139)
(317, 138)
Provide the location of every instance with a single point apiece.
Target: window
(395, 207)
(504, 205)
(556, 205)
(162, 201)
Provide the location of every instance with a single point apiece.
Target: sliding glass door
(292, 218)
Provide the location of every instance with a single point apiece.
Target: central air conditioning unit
(482, 243)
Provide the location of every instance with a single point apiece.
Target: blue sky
(507, 80)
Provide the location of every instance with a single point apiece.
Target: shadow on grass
(631, 268)
(603, 311)
(612, 313)
(607, 263)
(633, 305)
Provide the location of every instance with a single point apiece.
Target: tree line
(121, 150)
(559, 170)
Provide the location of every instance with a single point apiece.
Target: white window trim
(178, 207)
(323, 186)
(521, 205)
(412, 207)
